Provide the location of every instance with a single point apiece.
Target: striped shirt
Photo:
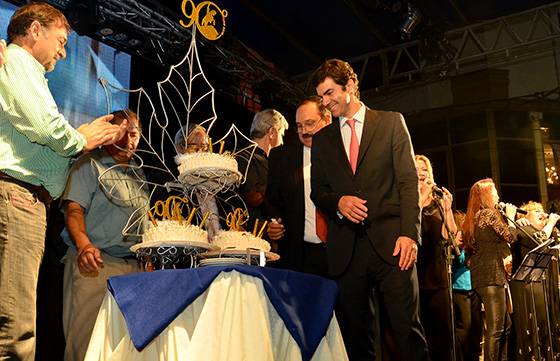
(36, 141)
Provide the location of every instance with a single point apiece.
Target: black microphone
(501, 206)
(435, 189)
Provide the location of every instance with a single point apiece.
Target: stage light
(120, 37)
(106, 31)
(412, 19)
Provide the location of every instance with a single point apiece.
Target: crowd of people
(349, 201)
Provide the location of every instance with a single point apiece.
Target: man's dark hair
(319, 102)
(129, 115)
(44, 13)
(339, 71)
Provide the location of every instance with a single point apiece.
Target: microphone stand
(451, 250)
(536, 240)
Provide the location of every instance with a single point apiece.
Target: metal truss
(165, 36)
(159, 37)
(478, 46)
(144, 28)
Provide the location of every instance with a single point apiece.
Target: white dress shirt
(346, 131)
(309, 230)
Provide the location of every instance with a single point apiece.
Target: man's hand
(89, 259)
(523, 222)
(100, 132)
(275, 230)
(408, 249)
(353, 208)
(2, 52)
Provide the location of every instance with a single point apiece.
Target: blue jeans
(22, 237)
(498, 322)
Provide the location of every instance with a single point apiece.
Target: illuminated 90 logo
(209, 18)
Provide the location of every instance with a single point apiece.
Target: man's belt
(39, 191)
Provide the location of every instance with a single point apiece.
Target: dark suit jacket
(385, 176)
(285, 194)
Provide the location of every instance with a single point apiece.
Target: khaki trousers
(22, 243)
(83, 296)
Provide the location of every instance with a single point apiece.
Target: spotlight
(411, 21)
(106, 31)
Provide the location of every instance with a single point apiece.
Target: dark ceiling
(269, 43)
(297, 35)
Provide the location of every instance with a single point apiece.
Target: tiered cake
(174, 231)
(190, 163)
(172, 227)
(237, 239)
(240, 240)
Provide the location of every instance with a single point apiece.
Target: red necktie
(354, 145)
(321, 225)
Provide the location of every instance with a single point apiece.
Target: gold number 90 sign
(209, 18)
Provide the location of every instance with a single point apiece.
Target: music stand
(535, 263)
(531, 270)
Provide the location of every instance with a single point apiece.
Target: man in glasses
(295, 228)
(196, 141)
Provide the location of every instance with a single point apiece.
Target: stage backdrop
(75, 80)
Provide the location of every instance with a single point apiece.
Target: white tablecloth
(232, 320)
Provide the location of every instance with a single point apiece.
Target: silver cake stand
(211, 180)
(170, 254)
(250, 256)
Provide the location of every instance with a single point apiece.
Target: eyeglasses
(195, 147)
(309, 125)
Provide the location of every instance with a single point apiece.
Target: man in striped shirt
(2, 51)
(36, 147)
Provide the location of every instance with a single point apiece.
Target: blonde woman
(433, 278)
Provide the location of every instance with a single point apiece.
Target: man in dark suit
(364, 179)
(267, 131)
(289, 185)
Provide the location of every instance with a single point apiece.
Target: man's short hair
(128, 114)
(44, 13)
(266, 119)
(317, 101)
(180, 140)
(339, 71)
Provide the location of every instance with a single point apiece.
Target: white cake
(238, 240)
(193, 163)
(175, 232)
